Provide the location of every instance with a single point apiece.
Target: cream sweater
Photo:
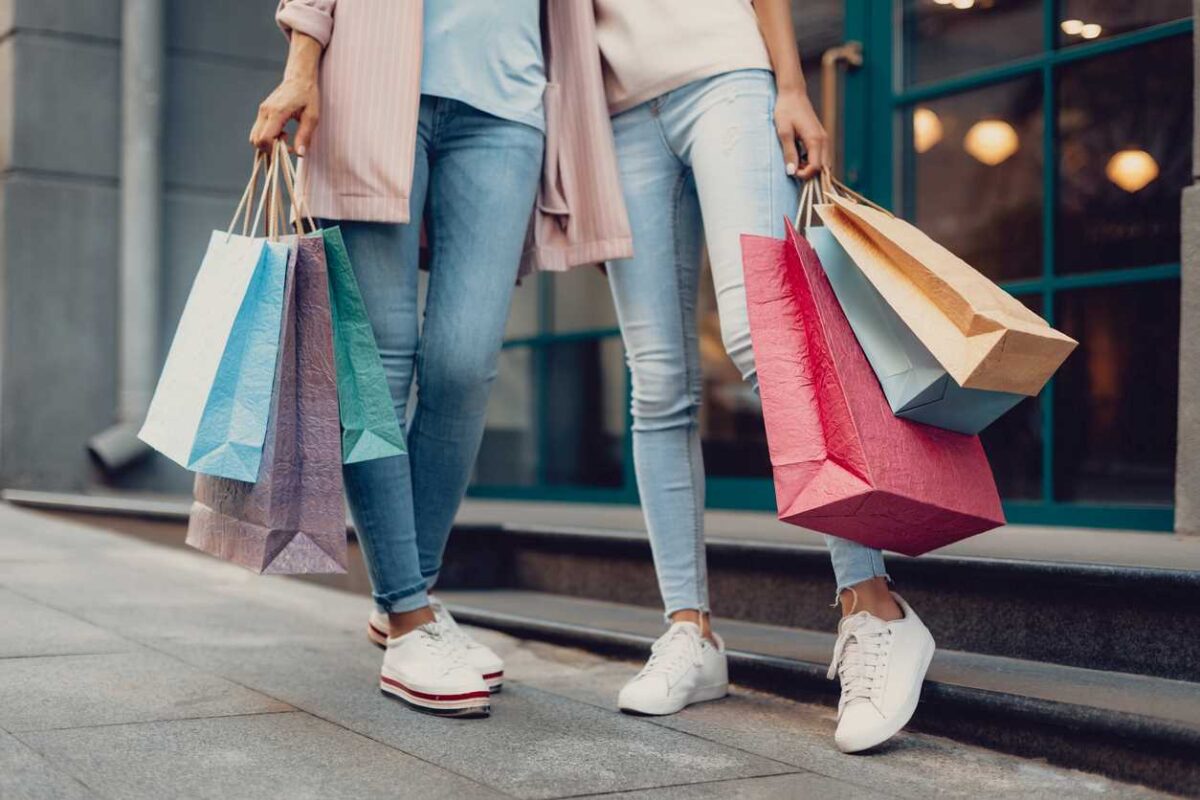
(649, 47)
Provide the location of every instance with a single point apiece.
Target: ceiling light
(1090, 31)
(1132, 170)
(942, 2)
(927, 129)
(1072, 27)
(963, 4)
(991, 141)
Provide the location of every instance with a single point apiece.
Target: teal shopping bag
(370, 428)
(916, 386)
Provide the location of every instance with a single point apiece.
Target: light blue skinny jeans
(701, 163)
(474, 183)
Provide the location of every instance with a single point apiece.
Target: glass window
(945, 38)
(581, 300)
(974, 176)
(585, 413)
(523, 317)
(1086, 20)
(508, 455)
(1125, 156)
(1115, 398)
(1013, 443)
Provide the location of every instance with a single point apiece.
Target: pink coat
(360, 161)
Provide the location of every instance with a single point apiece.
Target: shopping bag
(843, 463)
(983, 337)
(209, 411)
(916, 386)
(370, 428)
(293, 519)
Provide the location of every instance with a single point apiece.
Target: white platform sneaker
(684, 668)
(881, 666)
(426, 670)
(481, 657)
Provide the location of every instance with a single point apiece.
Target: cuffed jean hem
(672, 608)
(401, 602)
(431, 580)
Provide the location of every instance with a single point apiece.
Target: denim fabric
(474, 184)
(701, 164)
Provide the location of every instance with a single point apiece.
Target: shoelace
(450, 627)
(440, 641)
(673, 653)
(860, 658)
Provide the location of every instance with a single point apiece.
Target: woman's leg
(385, 259)
(655, 293)
(482, 187)
(724, 128)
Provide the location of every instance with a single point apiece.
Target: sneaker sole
(467, 704)
(701, 696)
(494, 680)
(902, 718)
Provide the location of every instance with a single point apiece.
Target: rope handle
(299, 207)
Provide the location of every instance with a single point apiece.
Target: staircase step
(1118, 617)
(1131, 727)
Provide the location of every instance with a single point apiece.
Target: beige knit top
(649, 47)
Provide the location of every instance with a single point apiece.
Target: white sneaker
(684, 668)
(425, 669)
(483, 658)
(881, 666)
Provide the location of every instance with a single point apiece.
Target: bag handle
(247, 194)
(819, 189)
(299, 207)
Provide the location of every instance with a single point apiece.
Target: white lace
(675, 652)
(860, 657)
(450, 625)
(440, 641)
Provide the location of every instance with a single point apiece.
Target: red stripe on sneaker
(491, 675)
(371, 625)
(435, 697)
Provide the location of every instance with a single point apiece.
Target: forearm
(304, 58)
(779, 35)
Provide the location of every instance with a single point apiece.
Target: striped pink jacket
(360, 161)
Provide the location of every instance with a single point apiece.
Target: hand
(294, 98)
(795, 119)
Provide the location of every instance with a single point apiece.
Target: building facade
(1048, 142)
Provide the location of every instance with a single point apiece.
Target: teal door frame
(872, 144)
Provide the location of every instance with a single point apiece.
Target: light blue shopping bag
(914, 383)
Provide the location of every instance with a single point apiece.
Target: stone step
(1131, 727)
(1119, 617)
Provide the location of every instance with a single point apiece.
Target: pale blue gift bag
(210, 409)
(914, 383)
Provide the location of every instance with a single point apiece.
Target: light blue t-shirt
(487, 54)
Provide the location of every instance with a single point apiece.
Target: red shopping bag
(843, 463)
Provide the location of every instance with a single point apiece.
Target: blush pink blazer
(360, 161)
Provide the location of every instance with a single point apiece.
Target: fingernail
(791, 168)
(300, 150)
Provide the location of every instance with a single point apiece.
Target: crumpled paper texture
(843, 463)
(292, 520)
(370, 428)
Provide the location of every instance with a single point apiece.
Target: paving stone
(801, 786)
(73, 691)
(25, 775)
(535, 744)
(289, 755)
(30, 629)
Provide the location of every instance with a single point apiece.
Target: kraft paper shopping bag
(917, 387)
(843, 463)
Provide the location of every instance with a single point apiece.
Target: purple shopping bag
(293, 519)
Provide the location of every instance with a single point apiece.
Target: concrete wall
(59, 145)
(1187, 471)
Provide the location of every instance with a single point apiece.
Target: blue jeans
(699, 164)
(474, 184)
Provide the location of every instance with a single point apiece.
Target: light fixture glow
(1091, 30)
(927, 129)
(942, 2)
(963, 4)
(1132, 170)
(1072, 27)
(991, 141)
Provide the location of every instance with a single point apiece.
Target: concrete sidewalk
(130, 670)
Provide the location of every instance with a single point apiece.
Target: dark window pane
(1087, 20)
(943, 38)
(1013, 443)
(973, 176)
(508, 456)
(1125, 122)
(1115, 398)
